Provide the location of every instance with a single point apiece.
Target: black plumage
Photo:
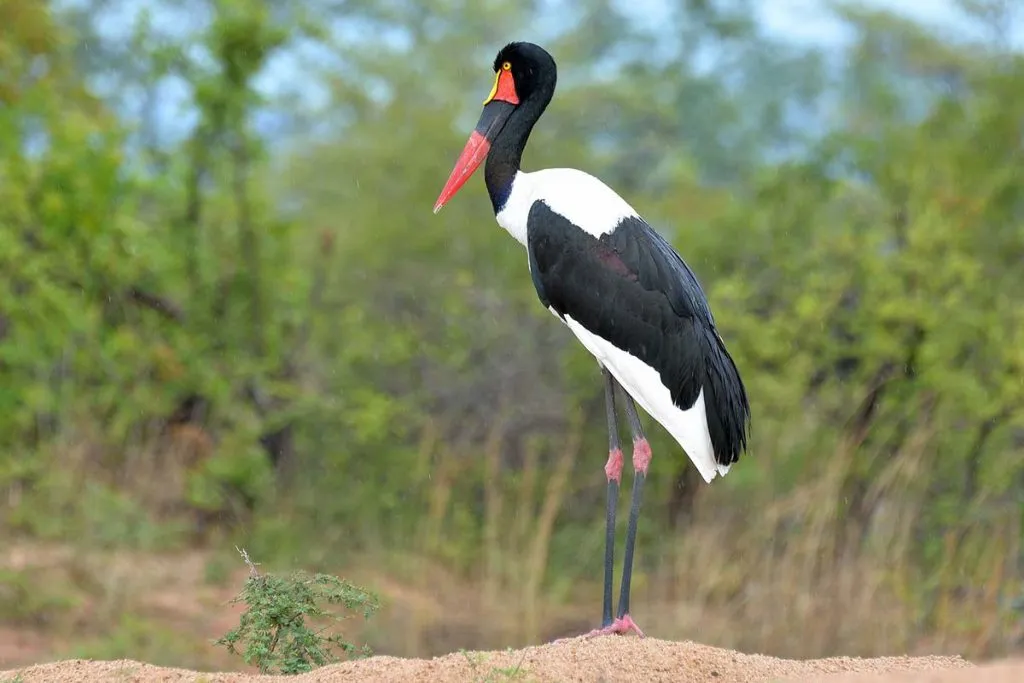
(631, 288)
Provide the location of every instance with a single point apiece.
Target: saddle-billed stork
(620, 288)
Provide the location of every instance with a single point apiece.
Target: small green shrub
(278, 632)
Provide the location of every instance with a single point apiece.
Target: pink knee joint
(613, 468)
(641, 455)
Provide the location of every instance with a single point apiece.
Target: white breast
(580, 197)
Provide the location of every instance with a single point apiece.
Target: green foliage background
(245, 321)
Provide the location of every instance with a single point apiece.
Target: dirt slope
(578, 659)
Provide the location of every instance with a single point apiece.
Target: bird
(621, 289)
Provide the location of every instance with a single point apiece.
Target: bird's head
(524, 79)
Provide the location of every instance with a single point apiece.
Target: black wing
(631, 288)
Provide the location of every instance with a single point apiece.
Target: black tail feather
(725, 401)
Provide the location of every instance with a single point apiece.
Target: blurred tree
(199, 298)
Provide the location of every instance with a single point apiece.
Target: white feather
(578, 196)
(643, 383)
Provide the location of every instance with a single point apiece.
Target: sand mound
(578, 659)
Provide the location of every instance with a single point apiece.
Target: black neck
(507, 148)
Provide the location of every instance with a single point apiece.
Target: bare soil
(578, 659)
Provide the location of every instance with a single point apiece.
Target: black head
(533, 70)
(524, 82)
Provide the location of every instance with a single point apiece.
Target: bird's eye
(506, 66)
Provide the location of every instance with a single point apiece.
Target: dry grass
(853, 612)
(790, 577)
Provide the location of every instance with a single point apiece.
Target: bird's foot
(620, 626)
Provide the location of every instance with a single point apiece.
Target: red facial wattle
(504, 89)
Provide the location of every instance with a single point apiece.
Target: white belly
(643, 383)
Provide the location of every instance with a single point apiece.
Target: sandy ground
(600, 659)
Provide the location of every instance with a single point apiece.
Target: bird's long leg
(623, 623)
(641, 461)
(613, 471)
